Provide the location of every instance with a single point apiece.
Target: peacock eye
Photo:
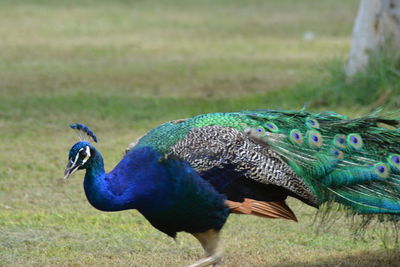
(82, 154)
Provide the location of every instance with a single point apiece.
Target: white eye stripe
(87, 150)
(76, 158)
(87, 155)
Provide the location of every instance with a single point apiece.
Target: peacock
(190, 174)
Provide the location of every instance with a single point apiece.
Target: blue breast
(168, 192)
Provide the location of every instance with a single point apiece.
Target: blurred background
(123, 67)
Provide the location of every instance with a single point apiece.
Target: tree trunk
(376, 27)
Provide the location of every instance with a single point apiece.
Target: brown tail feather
(272, 210)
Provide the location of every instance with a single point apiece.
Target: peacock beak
(70, 169)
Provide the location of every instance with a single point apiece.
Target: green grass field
(123, 67)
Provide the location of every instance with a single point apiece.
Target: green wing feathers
(354, 162)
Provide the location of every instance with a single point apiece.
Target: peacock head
(80, 154)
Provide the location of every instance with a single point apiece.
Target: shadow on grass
(367, 259)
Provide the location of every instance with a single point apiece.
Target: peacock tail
(315, 157)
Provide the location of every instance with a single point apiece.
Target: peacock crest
(84, 133)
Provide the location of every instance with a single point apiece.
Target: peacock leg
(209, 241)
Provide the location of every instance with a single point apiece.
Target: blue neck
(98, 185)
(137, 182)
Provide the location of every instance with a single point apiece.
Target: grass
(123, 67)
(154, 48)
